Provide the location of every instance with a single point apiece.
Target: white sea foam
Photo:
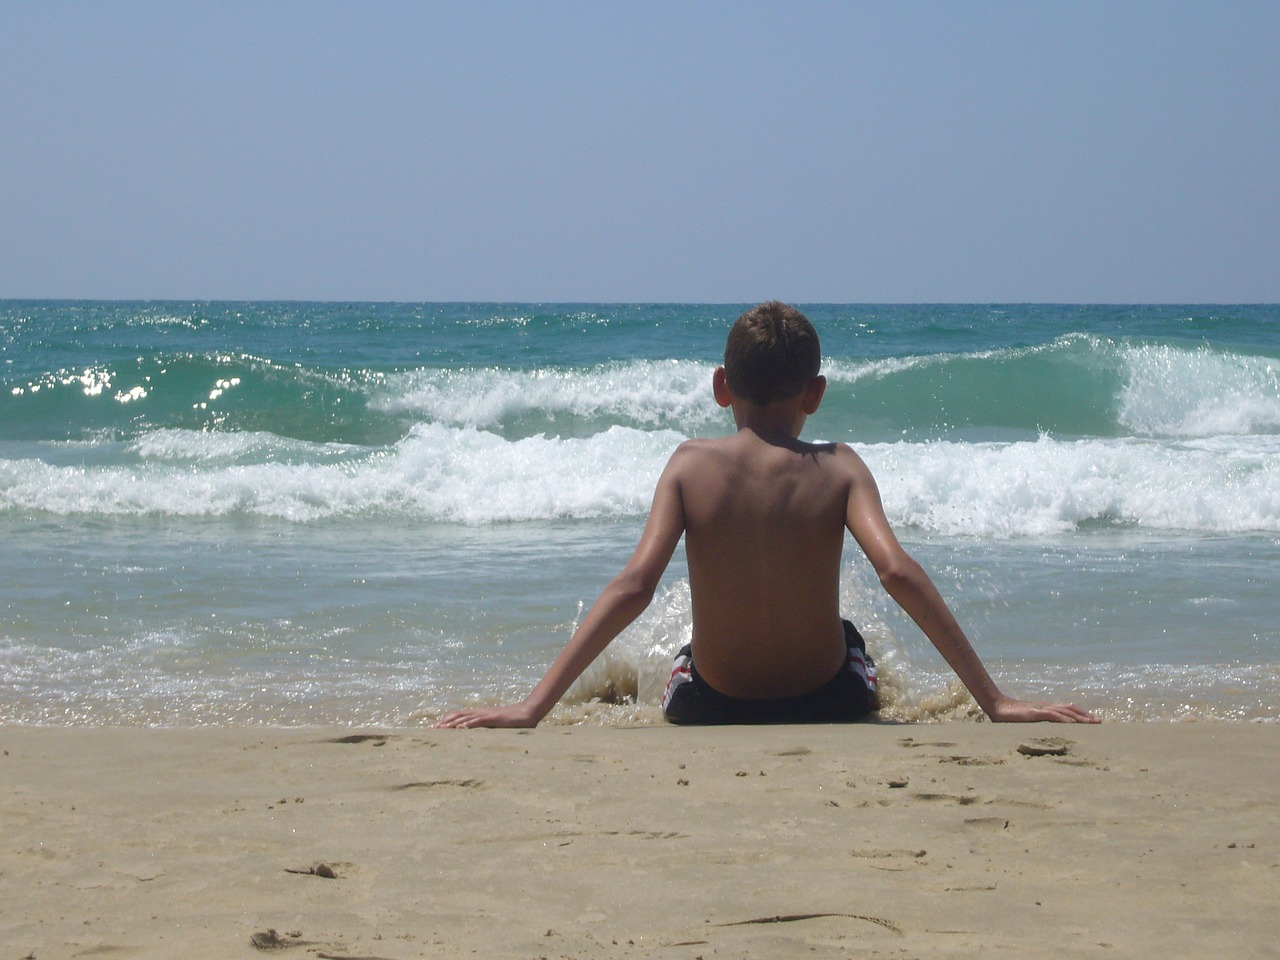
(637, 665)
(1176, 392)
(1049, 487)
(638, 393)
(436, 473)
(215, 447)
(476, 477)
(1043, 487)
(851, 371)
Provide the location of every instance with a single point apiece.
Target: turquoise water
(365, 513)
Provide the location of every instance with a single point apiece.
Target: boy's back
(764, 528)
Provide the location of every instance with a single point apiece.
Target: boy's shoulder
(737, 441)
(705, 452)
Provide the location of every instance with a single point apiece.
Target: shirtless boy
(764, 515)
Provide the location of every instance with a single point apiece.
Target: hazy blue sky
(692, 151)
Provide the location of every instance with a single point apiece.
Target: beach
(878, 840)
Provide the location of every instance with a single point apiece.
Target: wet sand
(876, 840)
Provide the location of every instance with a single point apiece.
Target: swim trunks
(849, 695)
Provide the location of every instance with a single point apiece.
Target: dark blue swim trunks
(849, 695)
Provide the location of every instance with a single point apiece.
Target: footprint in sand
(886, 854)
(1046, 747)
(270, 940)
(964, 761)
(963, 801)
(325, 870)
(801, 917)
(423, 784)
(373, 739)
(913, 742)
(892, 861)
(987, 823)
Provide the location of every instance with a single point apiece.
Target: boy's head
(772, 353)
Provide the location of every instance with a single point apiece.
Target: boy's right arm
(911, 588)
(624, 599)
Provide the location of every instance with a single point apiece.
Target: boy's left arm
(624, 599)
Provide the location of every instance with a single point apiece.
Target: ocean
(362, 514)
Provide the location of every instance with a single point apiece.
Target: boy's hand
(516, 715)
(1008, 710)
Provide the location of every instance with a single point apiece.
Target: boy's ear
(720, 387)
(812, 396)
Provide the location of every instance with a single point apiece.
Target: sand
(874, 840)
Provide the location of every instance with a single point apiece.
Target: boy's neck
(778, 422)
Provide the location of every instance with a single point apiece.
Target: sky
(692, 151)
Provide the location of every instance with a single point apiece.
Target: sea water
(355, 514)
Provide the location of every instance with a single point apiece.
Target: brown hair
(772, 353)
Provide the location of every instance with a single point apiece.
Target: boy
(764, 516)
